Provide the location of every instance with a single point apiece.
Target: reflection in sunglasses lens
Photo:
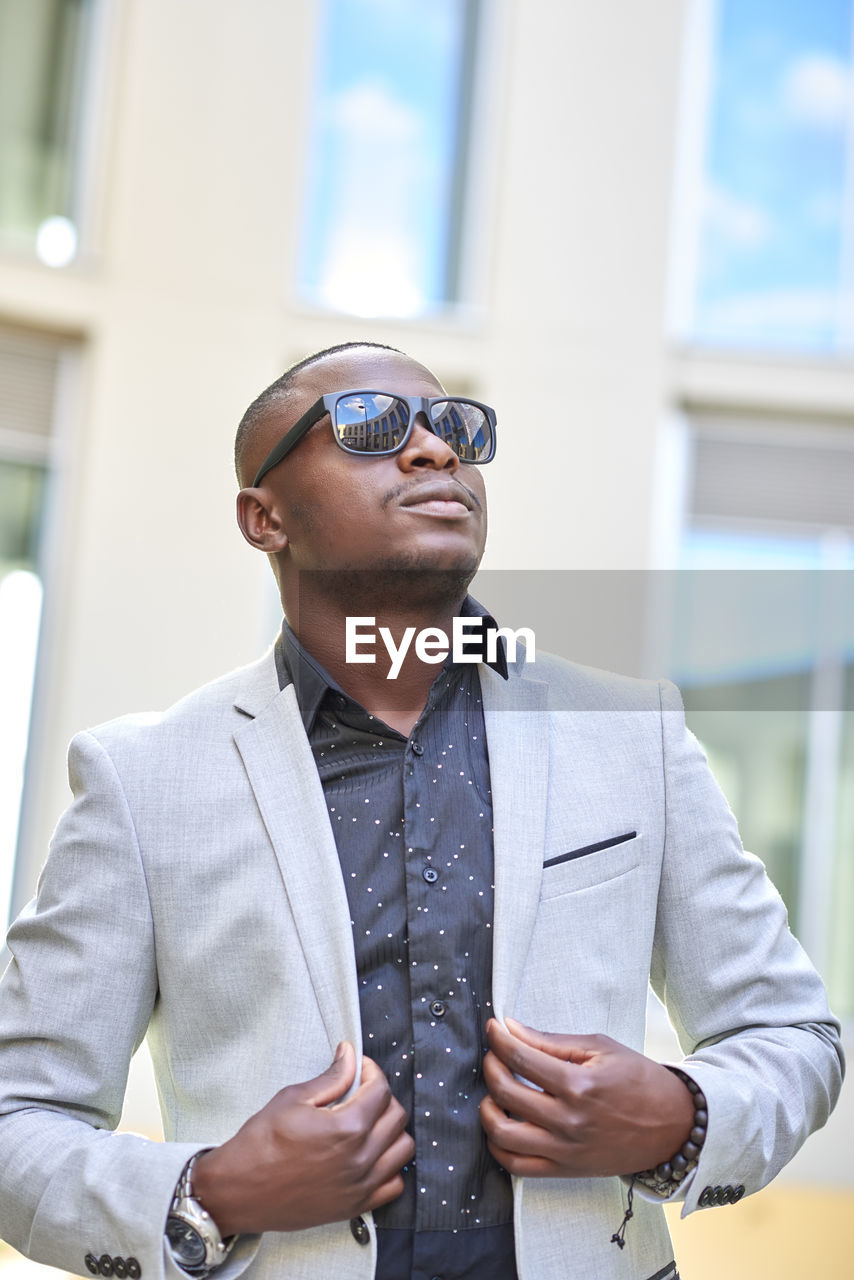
(377, 423)
(371, 423)
(462, 426)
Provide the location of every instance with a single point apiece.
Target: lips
(439, 497)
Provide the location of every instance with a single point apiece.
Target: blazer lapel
(518, 741)
(284, 778)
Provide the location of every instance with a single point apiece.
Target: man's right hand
(307, 1158)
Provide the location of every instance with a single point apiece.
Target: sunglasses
(375, 424)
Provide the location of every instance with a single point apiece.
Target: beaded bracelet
(664, 1179)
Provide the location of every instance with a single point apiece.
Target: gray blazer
(193, 891)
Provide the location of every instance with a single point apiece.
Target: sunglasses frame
(328, 404)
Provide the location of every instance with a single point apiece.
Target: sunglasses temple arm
(296, 433)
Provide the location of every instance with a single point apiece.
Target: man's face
(420, 508)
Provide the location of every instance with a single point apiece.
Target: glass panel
(758, 759)
(41, 48)
(841, 969)
(21, 494)
(765, 661)
(392, 87)
(21, 491)
(777, 200)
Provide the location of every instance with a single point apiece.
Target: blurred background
(628, 227)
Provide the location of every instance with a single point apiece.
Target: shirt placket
(442, 1012)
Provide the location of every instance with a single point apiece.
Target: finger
(331, 1084)
(505, 1087)
(571, 1048)
(533, 1162)
(372, 1097)
(544, 1069)
(390, 1161)
(516, 1097)
(526, 1166)
(371, 1071)
(386, 1182)
(386, 1129)
(383, 1178)
(520, 1137)
(388, 1191)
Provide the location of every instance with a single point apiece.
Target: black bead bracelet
(681, 1164)
(664, 1179)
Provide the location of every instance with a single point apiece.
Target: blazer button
(738, 1193)
(134, 1269)
(105, 1264)
(120, 1268)
(91, 1263)
(705, 1198)
(359, 1231)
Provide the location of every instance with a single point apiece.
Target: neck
(396, 684)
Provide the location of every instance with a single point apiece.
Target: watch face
(185, 1242)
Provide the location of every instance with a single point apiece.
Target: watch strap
(188, 1209)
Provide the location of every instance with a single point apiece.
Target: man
(391, 937)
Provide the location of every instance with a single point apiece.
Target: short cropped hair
(278, 392)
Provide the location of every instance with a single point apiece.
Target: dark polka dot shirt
(412, 820)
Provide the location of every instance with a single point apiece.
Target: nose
(425, 449)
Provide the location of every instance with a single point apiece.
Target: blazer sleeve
(75, 1002)
(748, 1007)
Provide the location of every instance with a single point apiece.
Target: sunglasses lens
(369, 422)
(464, 427)
(372, 422)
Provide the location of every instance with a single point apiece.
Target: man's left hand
(604, 1109)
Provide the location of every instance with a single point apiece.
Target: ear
(260, 521)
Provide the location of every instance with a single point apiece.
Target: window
(392, 96)
(42, 48)
(767, 176)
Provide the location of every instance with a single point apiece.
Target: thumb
(569, 1048)
(333, 1083)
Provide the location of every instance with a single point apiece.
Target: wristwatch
(191, 1233)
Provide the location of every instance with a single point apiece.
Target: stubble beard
(394, 586)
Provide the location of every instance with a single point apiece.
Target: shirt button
(437, 1008)
(417, 749)
(430, 874)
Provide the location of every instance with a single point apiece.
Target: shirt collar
(311, 681)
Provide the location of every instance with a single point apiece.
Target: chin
(432, 561)
(411, 581)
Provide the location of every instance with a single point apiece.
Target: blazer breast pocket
(591, 864)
